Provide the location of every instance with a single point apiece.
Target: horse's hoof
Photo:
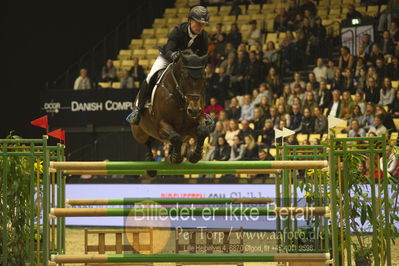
(152, 173)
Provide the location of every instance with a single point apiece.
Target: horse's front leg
(167, 132)
(202, 133)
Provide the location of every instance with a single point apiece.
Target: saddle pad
(156, 85)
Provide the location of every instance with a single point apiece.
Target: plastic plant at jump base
(28, 235)
(337, 188)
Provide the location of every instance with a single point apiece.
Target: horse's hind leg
(167, 132)
(149, 156)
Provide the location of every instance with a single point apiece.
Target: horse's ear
(204, 59)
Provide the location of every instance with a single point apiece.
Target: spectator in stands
(251, 149)
(320, 122)
(387, 45)
(210, 146)
(213, 106)
(380, 69)
(394, 108)
(288, 50)
(307, 122)
(126, 80)
(346, 60)
(359, 100)
(245, 130)
(271, 55)
(137, 71)
(353, 14)
(387, 93)
(83, 81)
(320, 70)
(264, 91)
(239, 84)
(223, 118)
(220, 48)
(267, 133)
(317, 39)
(296, 118)
(361, 53)
(361, 80)
(234, 109)
(222, 83)
(331, 69)
(108, 72)
(393, 69)
(375, 54)
(312, 80)
(259, 51)
(337, 83)
(247, 108)
(235, 8)
(293, 140)
(273, 80)
(222, 150)
(273, 116)
(254, 72)
(368, 117)
(188, 148)
(347, 105)
(372, 92)
(234, 36)
(232, 131)
(324, 96)
(308, 5)
(356, 114)
(377, 128)
(348, 84)
(259, 119)
(297, 82)
(254, 33)
(305, 30)
(292, 11)
(210, 83)
(358, 67)
(386, 117)
(395, 30)
(334, 108)
(229, 50)
(283, 115)
(264, 155)
(356, 130)
(237, 150)
(219, 31)
(310, 102)
(366, 41)
(280, 21)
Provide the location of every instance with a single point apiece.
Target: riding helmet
(199, 13)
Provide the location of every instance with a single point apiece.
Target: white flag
(277, 133)
(333, 122)
(287, 132)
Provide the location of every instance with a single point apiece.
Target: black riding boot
(143, 96)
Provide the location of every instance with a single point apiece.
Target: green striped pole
(190, 211)
(173, 171)
(186, 165)
(167, 201)
(141, 258)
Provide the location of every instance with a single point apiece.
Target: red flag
(41, 122)
(58, 134)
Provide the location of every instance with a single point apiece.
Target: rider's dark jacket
(179, 38)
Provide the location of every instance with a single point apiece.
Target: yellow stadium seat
(323, 4)
(162, 41)
(322, 12)
(271, 37)
(251, 126)
(257, 17)
(314, 137)
(159, 22)
(342, 135)
(213, 10)
(224, 10)
(383, 8)
(183, 10)
(301, 137)
(269, 25)
(126, 64)
(136, 44)
(140, 53)
(268, 8)
(116, 85)
(372, 11)
(117, 63)
(324, 137)
(395, 84)
(254, 9)
(152, 53)
(161, 32)
(150, 43)
(335, 3)
(125, 54)
(148, 33)
(144, 63)
(273, 152)
(173, 21)
(334, 12)
(362, 10)
(394, 136)
(170, 12)
(245, 27)
(259, 139)
(244, 18)
(215, 19)
(396, 122)
(104, 84)
(229, 19)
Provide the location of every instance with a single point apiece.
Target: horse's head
(192, 81)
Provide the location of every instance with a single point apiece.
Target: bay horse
(176, 113)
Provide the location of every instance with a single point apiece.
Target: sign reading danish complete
(102, 107)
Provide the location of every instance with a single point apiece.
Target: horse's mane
(194, 63)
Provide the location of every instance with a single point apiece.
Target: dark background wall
(39, 40)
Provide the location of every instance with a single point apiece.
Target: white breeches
(160, 63)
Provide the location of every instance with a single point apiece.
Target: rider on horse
(187, 35)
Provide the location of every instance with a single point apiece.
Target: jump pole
(172, 172)
(188, 211)
(141, 258)
(186, 165)
(166, 201)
